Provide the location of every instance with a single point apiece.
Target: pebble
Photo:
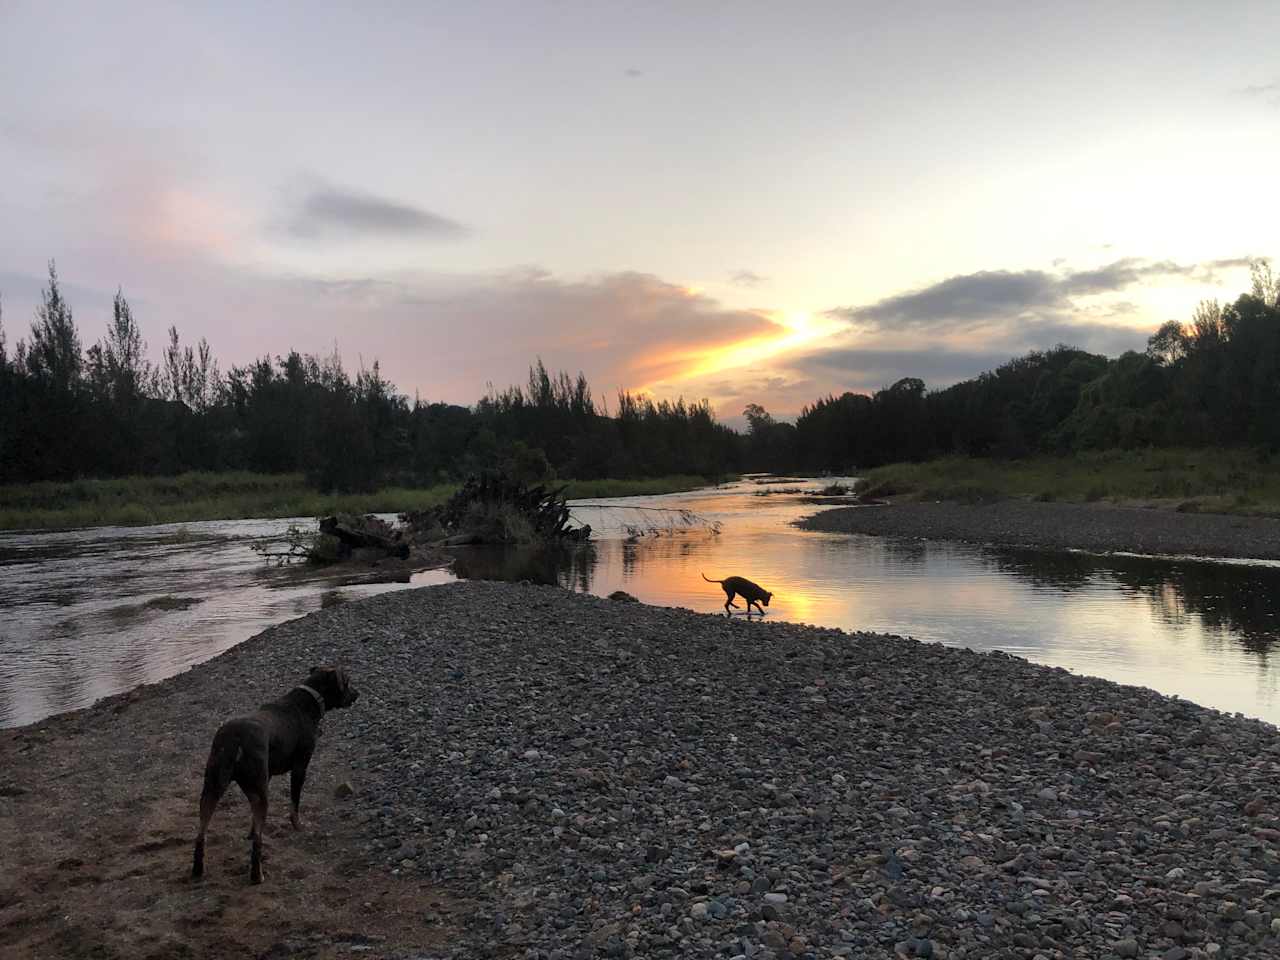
(688, 798)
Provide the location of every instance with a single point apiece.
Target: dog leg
(209, 798)
(258, 802)
(297, 777)
(208, 804)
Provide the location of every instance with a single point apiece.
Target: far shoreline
(240, 495)
(1094, 528)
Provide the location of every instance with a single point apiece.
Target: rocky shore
(531, 773)
(1096, 528)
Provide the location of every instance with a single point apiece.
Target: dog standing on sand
(753, 593)
(279, 737)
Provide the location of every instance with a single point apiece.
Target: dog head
(334, 685)
(767, 597)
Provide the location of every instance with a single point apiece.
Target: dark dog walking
(252, 749)
(741, 586)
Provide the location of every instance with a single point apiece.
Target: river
(87, 613)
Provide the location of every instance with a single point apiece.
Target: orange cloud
(790, 332)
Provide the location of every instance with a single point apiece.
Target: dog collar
(319, 699)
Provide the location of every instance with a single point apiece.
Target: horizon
(745, 204)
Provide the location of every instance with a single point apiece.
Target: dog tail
(708, 579)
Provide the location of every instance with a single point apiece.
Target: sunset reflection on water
(77, 620)
(1202, 631)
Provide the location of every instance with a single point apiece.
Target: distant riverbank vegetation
(188, 497)
(1206, 479)
(68, 413)
(236, 495)
(298, 435)
(1214, 381)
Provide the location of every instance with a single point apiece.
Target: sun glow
(795, 329)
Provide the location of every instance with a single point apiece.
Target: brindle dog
(741, 586)
(279, 737)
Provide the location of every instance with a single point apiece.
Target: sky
(745, 202)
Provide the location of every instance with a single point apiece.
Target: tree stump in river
(364, 533)
(496, 508)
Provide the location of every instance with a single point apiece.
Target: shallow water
(88, 613)
(77, 623)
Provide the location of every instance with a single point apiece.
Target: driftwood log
(364, 533)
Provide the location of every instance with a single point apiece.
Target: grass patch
(241, 495)
(190, 497)
(1233, 480)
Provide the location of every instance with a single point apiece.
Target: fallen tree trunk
(364, 533)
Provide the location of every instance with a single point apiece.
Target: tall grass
(188, 497)
(1230, 480)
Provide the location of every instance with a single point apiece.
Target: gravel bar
(607, 779)
(1070, 526)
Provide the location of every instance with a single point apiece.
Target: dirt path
(97, 816)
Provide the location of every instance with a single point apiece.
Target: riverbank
(1233, 480)
(540, 774)
(191, 497)
(1096, 528)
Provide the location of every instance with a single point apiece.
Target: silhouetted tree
(65, 412)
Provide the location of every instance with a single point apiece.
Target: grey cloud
(1127, 272)
(848, 368)
(331, 210)
(746, 278)
(1000, 296)
(633, 72)
(876, 368)
(1118, 275)
(869, 369)
(1209, 271)
(1264, 91)
(962, 301)
(1105, 338)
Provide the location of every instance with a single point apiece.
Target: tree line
(1214, 380)
(67, 411)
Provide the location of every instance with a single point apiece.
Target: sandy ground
(97, 817)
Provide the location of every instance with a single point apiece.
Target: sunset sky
(749, 202)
